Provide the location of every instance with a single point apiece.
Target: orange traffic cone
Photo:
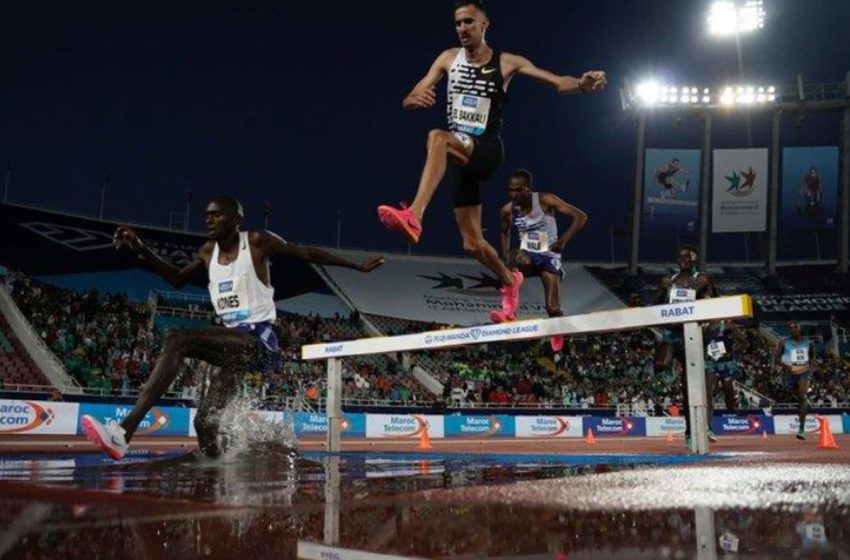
(826, 439)
(589, 439)
(670, 437)
(424, 439)
(764, 434)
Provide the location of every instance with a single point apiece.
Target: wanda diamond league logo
(78, 239)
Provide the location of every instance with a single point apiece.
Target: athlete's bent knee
(175, 341)
(437, 139)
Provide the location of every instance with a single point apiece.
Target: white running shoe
(110, 438)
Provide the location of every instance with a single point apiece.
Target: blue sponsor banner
(159, 421)
(615, 426)
(809, 201)
(497, 425)
(671, 191)
(309, 424)
(845, 419)
(742, 425)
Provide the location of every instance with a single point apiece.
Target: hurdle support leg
(332, 501)
(695, 358)
(334, 404)
(706, 533)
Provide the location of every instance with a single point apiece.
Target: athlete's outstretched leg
(552, 291)
(469, 222)
(223, 387)
(802, 391)
(216, 346)
(729, 395)
(710, 386)
(442, 146)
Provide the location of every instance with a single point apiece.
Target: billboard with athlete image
(671, 191)
(809, 188)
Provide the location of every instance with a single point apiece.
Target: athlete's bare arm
(551, 202)
(780, 348)
(593, 80)
(273, 245)
(664, 286)
(177, 277)
(738, 335)
(423, 95)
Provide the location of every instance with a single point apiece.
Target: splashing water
(248, 431)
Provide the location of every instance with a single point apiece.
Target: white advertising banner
(739, 193)
(661, 426)
(457, 291)
(38, 417)
(403, 425)
(549, 426)
(790, 424)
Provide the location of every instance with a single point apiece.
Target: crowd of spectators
(103, 340)
(109, 343)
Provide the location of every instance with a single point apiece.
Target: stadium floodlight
(651, 93)
(648, 93)
(727, 17)
(747, 95)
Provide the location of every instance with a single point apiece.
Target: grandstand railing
(26, 388)
(187, 297)
(201, 314)
(295, 403)
(38, 350)
(83, 391)
(179, 304)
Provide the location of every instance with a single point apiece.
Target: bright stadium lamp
(649, 93)
(727, 18)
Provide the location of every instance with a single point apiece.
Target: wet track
(532, 505)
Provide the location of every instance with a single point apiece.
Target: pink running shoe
(401, 220)
(557, 343)
(510, 295)
(499, 316)
(110, 438)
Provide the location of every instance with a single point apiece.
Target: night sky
(298, 104)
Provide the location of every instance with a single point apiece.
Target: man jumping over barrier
(471, 150)
(236, 264)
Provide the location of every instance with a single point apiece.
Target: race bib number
(799, 356)
(230, 299)
(816, 532)
(716, 350)
(682, 295)
(470, 113)
(534, 241)
(729, 542)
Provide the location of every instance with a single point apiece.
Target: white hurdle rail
(689, 314)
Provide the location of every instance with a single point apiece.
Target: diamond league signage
(457, 291)
(614, 320)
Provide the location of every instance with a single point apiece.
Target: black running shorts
(466, 181)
